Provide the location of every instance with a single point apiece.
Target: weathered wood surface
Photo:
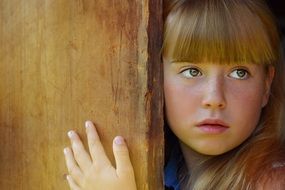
(65, 61)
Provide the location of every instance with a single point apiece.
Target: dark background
(278, 8)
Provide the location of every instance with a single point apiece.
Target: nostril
(214, 105)
(208, 105)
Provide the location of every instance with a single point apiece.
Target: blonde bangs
(220, 32)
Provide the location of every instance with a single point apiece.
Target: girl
(223, 87)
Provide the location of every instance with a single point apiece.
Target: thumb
(123, 163)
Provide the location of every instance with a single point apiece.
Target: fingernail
(68, 177)
(119, 140)
(65, 150)
(70, 133)
(88, 124)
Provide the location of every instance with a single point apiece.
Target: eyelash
(183, 72)
(199, 73)
(246, 74)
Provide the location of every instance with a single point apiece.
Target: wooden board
(65, 61)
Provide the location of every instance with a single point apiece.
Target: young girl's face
(213, 108)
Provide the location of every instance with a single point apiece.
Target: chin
(211, 152)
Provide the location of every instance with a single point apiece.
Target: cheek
(248, 96)
(181, 102)
(245, 105)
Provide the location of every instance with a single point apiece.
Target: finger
(123, 163)
(80, 154)
(95, 146)
(72, 184)
(72, 167)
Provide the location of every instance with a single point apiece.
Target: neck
(192, 158)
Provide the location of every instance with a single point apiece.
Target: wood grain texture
(65, 61)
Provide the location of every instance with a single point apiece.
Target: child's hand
(94, 171)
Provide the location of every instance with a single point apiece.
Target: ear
(268, 81)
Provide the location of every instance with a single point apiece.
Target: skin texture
(216, 91)
(233, 94)
(93, 170)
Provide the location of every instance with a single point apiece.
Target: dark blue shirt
(170, 172)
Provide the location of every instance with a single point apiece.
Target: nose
(214, 95)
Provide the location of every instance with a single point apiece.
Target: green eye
(239, 74)
(191, 73)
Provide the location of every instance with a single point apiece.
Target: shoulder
(273, 179)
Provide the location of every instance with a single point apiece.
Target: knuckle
(122, 149)
(93, 143)
(73, 170)
(129, 169)
(127, 173)
(124, 153)
(76, 153)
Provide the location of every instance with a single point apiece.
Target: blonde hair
(220, 31)
(231, 31)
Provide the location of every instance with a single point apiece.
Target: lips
(214, 126)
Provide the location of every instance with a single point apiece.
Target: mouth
(213, 126)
